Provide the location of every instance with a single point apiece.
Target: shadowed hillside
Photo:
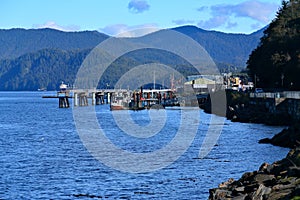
(35, 58)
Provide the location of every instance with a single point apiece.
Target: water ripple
(42, 156)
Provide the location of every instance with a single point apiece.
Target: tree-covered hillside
(17, 42)
(275, 63)
(32, 59)
(47, 68)
(43, 69)
(226, 49)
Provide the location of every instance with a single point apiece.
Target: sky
(115, 17)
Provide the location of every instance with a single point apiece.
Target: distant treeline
(32, 59)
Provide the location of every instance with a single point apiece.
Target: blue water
(43, 157)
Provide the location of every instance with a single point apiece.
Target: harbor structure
(143, 99)
(82, 97)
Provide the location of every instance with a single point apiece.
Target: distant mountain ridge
(34, 58)
(224, 47)
(17, 42)
(42, 69)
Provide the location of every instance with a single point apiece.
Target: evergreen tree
(275, 63)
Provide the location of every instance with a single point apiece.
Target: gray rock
(266, 179)
(239, 189)
(279, 180)
(225, 184)
(261, 192)
(219, 194)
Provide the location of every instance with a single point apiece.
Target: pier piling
(75, 99)
(81, 97)
(93, 98)
(63, 97)
(99, 98)
(83, 100)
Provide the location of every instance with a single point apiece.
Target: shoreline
(279, 180)
(240, 107)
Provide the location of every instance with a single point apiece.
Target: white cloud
(53, 25)
(138, 6)
(261, 12)
(123, 30)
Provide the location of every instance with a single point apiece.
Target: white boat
(120, 101)
(163, 97)
(63, 87)
(146, 98)
(42, 89)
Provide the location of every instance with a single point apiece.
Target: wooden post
(86, 103)
(63, 99)
(108, 98)
(83, 100)
(99, 98)
(149, 96)
(67, 102)
(93, 98)
(80, 100)
(60, 102)
(75, 99)
(64, 102)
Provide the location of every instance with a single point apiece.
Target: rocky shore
(280, 180)
(289, 137)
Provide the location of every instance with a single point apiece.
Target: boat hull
(118, 107)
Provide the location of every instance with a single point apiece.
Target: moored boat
(144, 99)
(42, 89)
(63, 87)
(120, 101)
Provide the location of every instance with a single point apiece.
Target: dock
(119, 99)
(81, 97)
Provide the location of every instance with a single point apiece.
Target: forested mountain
(31, 59)
(17, 42)
(275, 63)
(47, 68)
(224, 48)
(43, 69)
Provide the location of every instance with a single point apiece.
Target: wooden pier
(63, 98)
(81, 97)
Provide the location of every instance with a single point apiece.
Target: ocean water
(43, 156)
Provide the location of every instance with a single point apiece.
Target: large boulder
(289, 137)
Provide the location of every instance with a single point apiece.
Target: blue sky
(115, 16)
